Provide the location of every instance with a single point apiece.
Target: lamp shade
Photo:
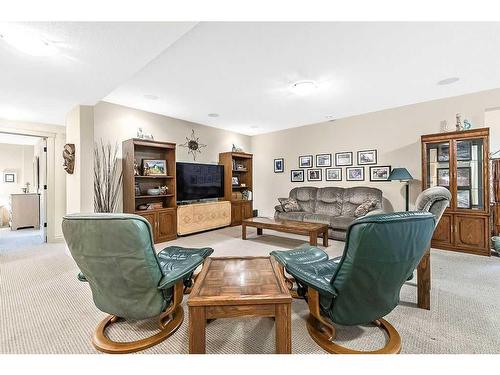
(400, 174)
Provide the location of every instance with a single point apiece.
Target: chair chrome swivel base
(323, 332)
(169, 321)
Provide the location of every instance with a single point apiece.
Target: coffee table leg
(243, 232)
(259, 231)
(197, 325)
(313, 238)
(325, 238)
(283, 321)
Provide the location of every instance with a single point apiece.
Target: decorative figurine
(136, 168)
(458, 125)
(237, 148)
(467, 124)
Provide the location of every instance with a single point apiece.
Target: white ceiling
(15, 139)
(243, 71)
(92, 59)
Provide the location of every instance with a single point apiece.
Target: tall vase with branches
(107, 177)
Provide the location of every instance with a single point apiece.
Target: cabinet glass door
(438, 164)
(469, 164)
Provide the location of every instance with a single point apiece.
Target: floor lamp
(402, 175)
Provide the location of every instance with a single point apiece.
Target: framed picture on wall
(464, 198)
(323, 160)
(367, 157)
(380, 173)
(343, 159)
(333, 174)
(355, 174)
(443, 177)
(297, 175)
(9, 177)
(463, 177)
(279, 165)
(305, 161)
(314, 175)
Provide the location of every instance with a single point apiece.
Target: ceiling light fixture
(28, 43)
(213, 115)
(448, 81)
(303, 87)
(151, 96)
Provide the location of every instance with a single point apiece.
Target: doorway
(23, 191)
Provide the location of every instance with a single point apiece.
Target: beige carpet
(44, 309)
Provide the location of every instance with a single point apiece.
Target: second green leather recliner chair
(379, 254)
(128, 280)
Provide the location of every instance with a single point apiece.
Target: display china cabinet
(459, 162)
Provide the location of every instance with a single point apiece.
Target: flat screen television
(197, 181)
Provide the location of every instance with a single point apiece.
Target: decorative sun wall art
(193, 145)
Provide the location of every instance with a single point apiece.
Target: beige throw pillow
(289, 204)
(365, 207)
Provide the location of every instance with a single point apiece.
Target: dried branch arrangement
(107, 177)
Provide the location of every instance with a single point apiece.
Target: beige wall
(394, 133)
(56, 179)
(18, 159)
(116, 123)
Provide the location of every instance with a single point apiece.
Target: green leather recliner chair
(128, 280)
(379, 254)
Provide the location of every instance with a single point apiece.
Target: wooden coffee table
(232, 287)
(313, 230)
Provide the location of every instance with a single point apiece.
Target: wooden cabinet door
(443, 234)
(471, 232)
(150, 217)
(246, 210)
(236, 213)
(167, 225)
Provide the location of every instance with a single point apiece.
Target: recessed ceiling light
(448, 81)
(28, 43)
(151, 96)
(254, 127)
(303, 87)
(329, 117)
(213, 115)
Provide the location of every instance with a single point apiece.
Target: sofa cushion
(298, 216)
(329, 201)
(305, 196)
(317, 218)
(289, 205)
(354, 196)
(341, 222)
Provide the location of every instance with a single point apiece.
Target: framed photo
(323, 160)
(443, 177)
(464, 150)
(154, 167)
(297, 175)
(463, 198)
(306, 161)
(355, 174)
(333, 174)
(367, 157)
(235, 181)
(314, 175)
(279, 165)
(463, 177)
(9, 177)
(343, 159)
(443, 152)
(380, 173)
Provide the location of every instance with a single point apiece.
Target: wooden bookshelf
(163, 220)
(240, 208)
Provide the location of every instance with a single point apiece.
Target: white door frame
(51, 198)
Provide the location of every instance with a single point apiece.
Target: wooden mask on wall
(69, 157)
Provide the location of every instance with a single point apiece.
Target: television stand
(198, 217)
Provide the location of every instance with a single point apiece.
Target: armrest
(312, 280)
(177, 270)
(279, 208)
(82, 278)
